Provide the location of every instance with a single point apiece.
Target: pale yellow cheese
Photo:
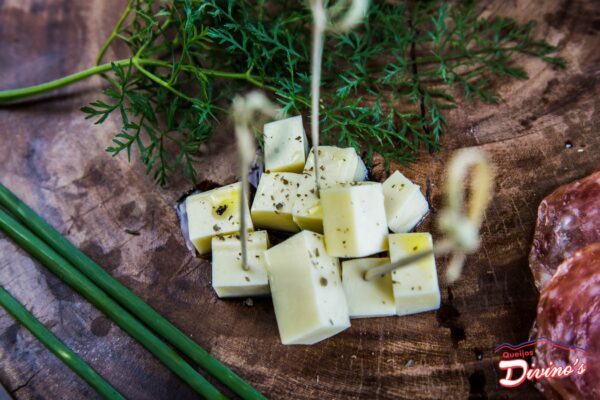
(374, 298)
(405, 205)
(229, 278)
(306, 288)
(337, 165)
(285, 145)
(415, 286)
(215, 212)
(275, 196)
(306, 210)
(354, 219)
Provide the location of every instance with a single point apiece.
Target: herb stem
(16, 94)
(161, 82)
(247, 76)
(115, 32)
(123, 38)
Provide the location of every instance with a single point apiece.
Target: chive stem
(58, 348)
(125, 297)
(61, 268)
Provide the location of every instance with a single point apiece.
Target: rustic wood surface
(54, 159)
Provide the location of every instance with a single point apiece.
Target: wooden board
(54, 160)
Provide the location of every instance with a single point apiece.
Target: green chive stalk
(125, 297)
(61, 268)
(58, 348)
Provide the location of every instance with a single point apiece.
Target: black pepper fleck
(221, 209)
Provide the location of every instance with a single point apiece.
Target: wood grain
(54, 160)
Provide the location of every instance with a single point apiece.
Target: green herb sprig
(385, 85)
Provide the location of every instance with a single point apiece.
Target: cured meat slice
(568, 219)
(568, 314)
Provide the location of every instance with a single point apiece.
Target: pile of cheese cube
(348, 219)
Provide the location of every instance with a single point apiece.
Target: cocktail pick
(459, 222)
(327, 19)
(248, 113)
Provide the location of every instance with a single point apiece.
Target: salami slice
(568, 316)
(568, 219)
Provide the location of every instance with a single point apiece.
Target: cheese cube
(306, 210)
(374, 298)
(415, 286)
(337, 165)
(215, 212)
(275, 195)
(361, 173)
(354, 219)
(306, 288)
(229, 278)
(405, 205)
(285, 145)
